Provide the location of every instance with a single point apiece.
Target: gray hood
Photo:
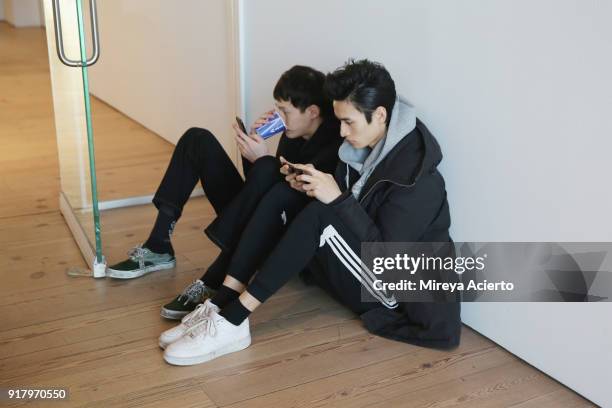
(365, 160)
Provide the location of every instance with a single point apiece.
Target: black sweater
(321, 149)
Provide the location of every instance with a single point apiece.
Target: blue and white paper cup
(273, 126)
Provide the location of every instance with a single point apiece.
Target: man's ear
(313, 111)
(380, 115)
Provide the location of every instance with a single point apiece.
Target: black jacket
(404, 200)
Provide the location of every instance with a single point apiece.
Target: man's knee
(197, 136)
(280, 196)
(264, 172)
(280, 191)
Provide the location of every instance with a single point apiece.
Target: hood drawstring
(346, 178)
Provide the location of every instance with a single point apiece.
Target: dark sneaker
(140, 262)
(185, 303)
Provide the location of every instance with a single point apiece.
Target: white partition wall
(519, 95)
(22, 13)
(176, 62)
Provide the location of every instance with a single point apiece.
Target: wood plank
(362, 385)
(109, 370)
(557, 398)
(502, 385)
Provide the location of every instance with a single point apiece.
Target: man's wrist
(340, 198)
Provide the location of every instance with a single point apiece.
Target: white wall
(1, 10)
(519, 95)
(41, 11)
(167, 66)
(23, 13)
(8, 11)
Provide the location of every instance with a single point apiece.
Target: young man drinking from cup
(311, 135)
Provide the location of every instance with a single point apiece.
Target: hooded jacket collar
(401, 157)
(403, 121)
(365, 160)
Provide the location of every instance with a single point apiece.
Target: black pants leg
(228, 228)
(198, 156)
(317, 235)
(276, 209)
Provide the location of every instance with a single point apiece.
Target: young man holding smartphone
(263, 202)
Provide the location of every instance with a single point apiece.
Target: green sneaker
(140, 262)
(187, 301)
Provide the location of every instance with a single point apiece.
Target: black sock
(224, 296)
(159, 239)
(235, 312)
(215, 274)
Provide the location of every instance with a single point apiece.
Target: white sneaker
(212, 337)
(201, 311)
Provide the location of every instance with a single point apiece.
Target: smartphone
(294, 169)
(241, 125)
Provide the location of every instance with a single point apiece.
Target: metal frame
(138, 200)
(59, 39)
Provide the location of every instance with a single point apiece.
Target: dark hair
(303, 86)
(366, 84)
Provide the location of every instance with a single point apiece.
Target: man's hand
(262, 120)
(290, 176)
(252, 146)
(317, 184)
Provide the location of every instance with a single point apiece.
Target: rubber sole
(172, 314)
(230, 348)
(117, 274)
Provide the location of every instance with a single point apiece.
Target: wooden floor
(98, 338)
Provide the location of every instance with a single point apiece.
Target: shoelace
(137, 254)
(193, 292)
(200, 312)
(206, 326)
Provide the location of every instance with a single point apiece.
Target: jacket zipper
(346, 179)
(381, 181)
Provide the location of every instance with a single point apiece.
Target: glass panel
(71, 128)
(155, 79)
